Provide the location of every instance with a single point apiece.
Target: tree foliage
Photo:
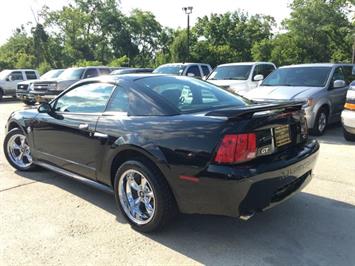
(87, 32)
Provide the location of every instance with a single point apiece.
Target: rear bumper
(242, 190)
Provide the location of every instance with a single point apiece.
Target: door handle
(83, 126)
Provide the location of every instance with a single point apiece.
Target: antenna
(34, 15)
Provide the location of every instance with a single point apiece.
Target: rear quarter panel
(178, 145)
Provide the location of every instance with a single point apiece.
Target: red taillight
(236, 148)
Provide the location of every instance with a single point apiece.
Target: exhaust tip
(246, 217)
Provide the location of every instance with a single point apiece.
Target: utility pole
(188, 11)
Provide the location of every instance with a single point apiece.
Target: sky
(168, 12)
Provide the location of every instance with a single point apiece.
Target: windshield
(170, 69)
(72, 73)
(298, 76)
(4, 74)
(232, 72)
(190, 95)
(52, 74)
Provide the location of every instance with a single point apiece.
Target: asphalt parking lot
(49, 219)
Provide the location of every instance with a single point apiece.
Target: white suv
(10, 77)
(240, 77)
(348, 115)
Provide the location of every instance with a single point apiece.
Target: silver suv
(45, 90)
(322, 87)
(9, 79)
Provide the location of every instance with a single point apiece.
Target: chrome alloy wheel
(136, 197)
(322, 122)
(19, 151)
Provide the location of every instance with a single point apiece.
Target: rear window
(190, 95)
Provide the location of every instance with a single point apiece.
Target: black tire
(30, 103)
(317, 129)
(348, 136)
(1, 94)
(10, 134)
(165, 205)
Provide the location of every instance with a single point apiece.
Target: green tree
(145, 30)
(320, 29)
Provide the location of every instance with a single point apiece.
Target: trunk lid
(277, 126)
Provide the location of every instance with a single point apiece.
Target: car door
(66, 137)
(11, 83)
(337, 96)
(252, 84)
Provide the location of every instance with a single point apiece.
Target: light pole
(188, 11)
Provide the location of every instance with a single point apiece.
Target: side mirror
(9, 78)
(190, 74)
(339, 84)
(45, 108)
(258, 77)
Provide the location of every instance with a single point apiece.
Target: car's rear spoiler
(235, 112)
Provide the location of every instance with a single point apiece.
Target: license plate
(282, 135)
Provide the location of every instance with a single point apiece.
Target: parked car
(166, 143)
(9, 79)
(131, 70)
(45, 90)
(22, 90)
(240, 77)
(196, 70)
(348, 115)
(322, 87)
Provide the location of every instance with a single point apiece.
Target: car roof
(20, 69)
(87, 67)
(318, 65)
(125, 77)
(183, 64)
(246, 63)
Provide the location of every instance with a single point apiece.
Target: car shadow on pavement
(305, 230)
(96, 194)
(334, 135)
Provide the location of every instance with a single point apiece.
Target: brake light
(349, 106)
(236, 148)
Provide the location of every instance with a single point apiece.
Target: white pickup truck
(10, 77)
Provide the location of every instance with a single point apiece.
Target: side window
(31, 75)
(124, 100)
(87, 98)
(119, 101)
(90, 73)
(16, 75)
(193, 70)
(205, 70)
(349, 73)
(267, 69)
(338, 74)
(105, 71)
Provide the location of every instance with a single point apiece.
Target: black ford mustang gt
(166, 144)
